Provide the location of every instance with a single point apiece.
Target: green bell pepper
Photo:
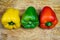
(30, 18)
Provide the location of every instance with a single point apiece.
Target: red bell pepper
(48, 18)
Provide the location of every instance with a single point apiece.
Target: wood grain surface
(32, 34)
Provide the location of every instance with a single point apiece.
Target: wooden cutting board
(32, 34)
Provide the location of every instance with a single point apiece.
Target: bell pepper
(11, 19)
(48, 18)
(30, 18)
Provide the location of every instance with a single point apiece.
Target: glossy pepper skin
(11, 19)
(48, 18)
(30, 18)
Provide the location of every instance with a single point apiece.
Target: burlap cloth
(30, 34)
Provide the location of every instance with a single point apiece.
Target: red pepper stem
(48, 24)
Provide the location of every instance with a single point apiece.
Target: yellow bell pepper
(11, 19)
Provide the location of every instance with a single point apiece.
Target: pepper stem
(48, 24)
(11, 23)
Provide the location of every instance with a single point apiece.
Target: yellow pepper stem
(11, 23)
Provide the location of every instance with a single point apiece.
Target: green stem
(11, 23)
(48, 24)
